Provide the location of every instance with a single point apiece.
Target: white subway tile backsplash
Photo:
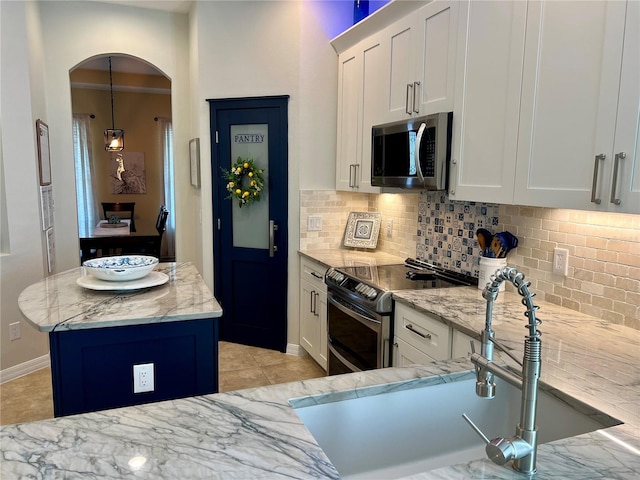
(604, 248)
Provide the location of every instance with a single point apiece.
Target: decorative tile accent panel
(447, 231)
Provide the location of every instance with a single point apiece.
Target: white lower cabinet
(425, 332)
(313, 310)
(421, 338)
(461, 344)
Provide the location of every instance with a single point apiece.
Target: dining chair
(119, 207)
(161, 222)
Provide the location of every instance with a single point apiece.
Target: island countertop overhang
(59, 303)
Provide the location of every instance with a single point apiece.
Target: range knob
(335, 276)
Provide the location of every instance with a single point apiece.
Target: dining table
(115, 239)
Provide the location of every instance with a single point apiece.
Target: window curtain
(166, 137)
(88, 213)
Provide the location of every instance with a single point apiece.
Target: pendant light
(113, 138)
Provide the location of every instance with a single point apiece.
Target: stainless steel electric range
(360, 309)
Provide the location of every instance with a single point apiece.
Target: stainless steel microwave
(412, 153)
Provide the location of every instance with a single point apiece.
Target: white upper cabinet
(422, 49)
(349, 112)
(491, 37)
(578, 132)
(360, 87)
(547, 104)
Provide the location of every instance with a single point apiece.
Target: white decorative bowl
(121, 268)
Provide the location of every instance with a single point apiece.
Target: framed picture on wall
(44, 159)
(194, 158)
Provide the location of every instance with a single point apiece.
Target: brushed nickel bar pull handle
(416, 95)
(315, 304)
(355, 175)
(594, 186)
(311, 297)
(423, 335)
(614, 182)
(352, 175)
(319, 277)
(408, 107)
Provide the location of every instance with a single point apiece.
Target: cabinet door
(309, 331)
(399, 96)
(571, 78)
(625, 186)
(323, 349)
(435, 48)
(491, 38)
(374, 65)
(349, 111)
(461, 345)
(405, 354)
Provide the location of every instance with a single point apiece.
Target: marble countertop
(343, 257)
(255, 433)
(59, 303)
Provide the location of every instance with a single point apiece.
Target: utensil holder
(488, 267)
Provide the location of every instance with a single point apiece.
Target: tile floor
(29, 398)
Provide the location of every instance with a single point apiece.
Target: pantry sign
(249, 138)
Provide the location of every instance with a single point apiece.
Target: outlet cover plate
(143, 378)
(561, 261)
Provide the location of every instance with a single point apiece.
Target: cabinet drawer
(425, 332)
(461, 345)
(313, 272)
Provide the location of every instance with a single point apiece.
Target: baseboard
(295, 349)
(25, 368)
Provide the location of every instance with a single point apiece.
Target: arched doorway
(139, 95)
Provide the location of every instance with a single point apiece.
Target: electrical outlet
(561, 261)
(314, 223)
(14, 331)
(390, 227)
(143, 378)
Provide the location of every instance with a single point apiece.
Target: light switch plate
(314, 223)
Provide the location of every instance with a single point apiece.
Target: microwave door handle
(416, 152)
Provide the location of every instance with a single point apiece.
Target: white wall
(222, 49)
(262, 48)
(75, 31)
(22, 102)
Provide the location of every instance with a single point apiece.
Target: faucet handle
(476, 428)
(501, 450)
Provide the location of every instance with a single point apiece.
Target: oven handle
(352, 313)
(344, 361)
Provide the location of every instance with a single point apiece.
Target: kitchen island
(256, 433)
(96, 336)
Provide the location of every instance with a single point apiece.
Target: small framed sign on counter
(194, 158)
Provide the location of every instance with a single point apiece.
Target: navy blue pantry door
(250, 237)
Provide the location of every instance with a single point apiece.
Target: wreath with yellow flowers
(244, 181)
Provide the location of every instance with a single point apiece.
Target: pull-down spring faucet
(523, 445)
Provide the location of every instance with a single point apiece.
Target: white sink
(390, 435)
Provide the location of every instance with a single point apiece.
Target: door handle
(426, 336)
(594, 186)
(416, 154)
(614, 182)
(407, 106)
(315, 303)
(312, 296)
(273, 248)
(353, 178)
(416, 95)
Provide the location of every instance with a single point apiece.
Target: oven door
(358, 339)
